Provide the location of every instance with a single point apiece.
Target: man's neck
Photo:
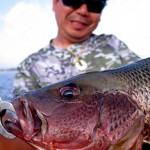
(61, 43)
(64, 43)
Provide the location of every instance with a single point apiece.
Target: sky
(26, 26)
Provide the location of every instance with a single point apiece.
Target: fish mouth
(29, 125)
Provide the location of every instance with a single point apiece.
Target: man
(75, 49)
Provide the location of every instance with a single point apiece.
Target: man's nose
(83, 10)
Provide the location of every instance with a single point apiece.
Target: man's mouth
(79, 25)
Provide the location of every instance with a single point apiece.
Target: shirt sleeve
(126, 55)
(24, 81)
(115, 53)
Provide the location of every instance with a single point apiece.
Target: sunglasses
(95, 6)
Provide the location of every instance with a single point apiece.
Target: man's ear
(54, 3)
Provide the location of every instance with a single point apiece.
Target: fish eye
(70, 91)
(69, 94)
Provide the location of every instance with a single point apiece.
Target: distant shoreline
(8, 69)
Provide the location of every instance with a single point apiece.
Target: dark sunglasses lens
(72, 3)
(95, 6)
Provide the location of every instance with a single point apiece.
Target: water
(6, 84)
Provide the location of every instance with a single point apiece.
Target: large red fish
(91, 111)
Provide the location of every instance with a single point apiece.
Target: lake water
(6, 84)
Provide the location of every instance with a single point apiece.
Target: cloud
(26, 28)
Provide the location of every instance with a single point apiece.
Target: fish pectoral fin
(133, 140)
(138, 143)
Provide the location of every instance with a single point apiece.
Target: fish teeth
(12, 116)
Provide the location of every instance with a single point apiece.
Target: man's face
(75, 24)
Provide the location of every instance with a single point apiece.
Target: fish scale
(137, 77)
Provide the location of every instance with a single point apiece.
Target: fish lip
(31, 123)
